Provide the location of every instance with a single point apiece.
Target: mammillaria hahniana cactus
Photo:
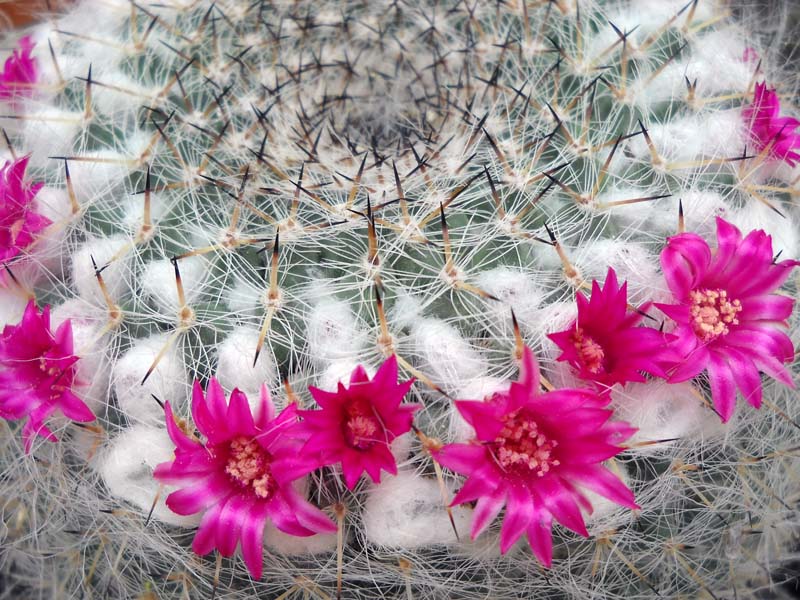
(303, 205)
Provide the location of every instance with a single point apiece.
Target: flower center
(711, 312)
(521, 445)
(361, 427)
(590, 353)
(248, 466)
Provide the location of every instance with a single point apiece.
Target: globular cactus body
(273, 193)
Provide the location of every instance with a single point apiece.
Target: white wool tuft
(102, 174)
(556, 316)
(55, 205)
(446, 356)
(605, 513)
(339, 372)
(632, 262)
(235, 367)
(516, 289)
(291, 545)
(168, 382)
(664, 411)
(116, 274)
(783, 229)
(407, 511)
(91, 345)
(243, 298)
(333, 332)
(12, 305)
(406, 310)
(50, 132)
(478, 388)
(133, 207)
(677, 141)
(159, 285)
(126, 466)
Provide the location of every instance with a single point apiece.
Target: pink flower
(241, 476)
(19, 223)
(727, 321)
(358, 423)
(19, 72)
(768, 129)
(530, 454)
(604, 344)
(37, 373)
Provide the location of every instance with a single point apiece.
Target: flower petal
(519, 511)
(540, 536)
(308, 515)
(486, 511)
(202, 494)
(745, 374)
(601, 481)
(229, 523)
(252, 537)
(723, 386)
(203, 542)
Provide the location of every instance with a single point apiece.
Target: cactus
(276, 192)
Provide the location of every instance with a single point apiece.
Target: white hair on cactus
(126, 466)
(406, 310)
(605, 514)
(133, 212)
(116, 273)
(12, 305)
(553, 317)
(718, 62)
(243, 298)
(49, 132)
(167, 382)
(408, 511)
(91, 344)
(401, 447)
(333, 332)
(516, 289)
(282, 543)
(700, 209)
(54, 204)
(235, 368)
(67, 64)
(632, 262)
(103, 172)
(479, 389)
(446, 357)
(664, 411)
(339, 372)
(159, 285)
(120, 96)
(782, 227)
(676, 141)
(659, 219)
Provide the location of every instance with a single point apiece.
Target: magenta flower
(530, 454)
(768, 129)
(604, 344)
(358, 423)
(241, 476)
(19, 72)
(728, 322)
(37, 374)
(19, 222)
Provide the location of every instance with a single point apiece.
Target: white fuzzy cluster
(334, 182)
